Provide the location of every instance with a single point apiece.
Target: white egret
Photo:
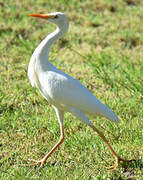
(65, 93)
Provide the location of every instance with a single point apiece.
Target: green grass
(104, 50)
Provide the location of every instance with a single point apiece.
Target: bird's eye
(56, 16)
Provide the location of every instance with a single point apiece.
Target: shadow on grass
(129, 169)
(136, 164)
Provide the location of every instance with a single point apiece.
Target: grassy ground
(104, 50)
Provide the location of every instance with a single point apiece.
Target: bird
(62, 91)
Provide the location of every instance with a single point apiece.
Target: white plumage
(65, 93)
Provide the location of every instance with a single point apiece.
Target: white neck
(44, 47)
(42, 51)
(39, 60)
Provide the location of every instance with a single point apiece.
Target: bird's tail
(107, 112)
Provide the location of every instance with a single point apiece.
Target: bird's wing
(65, 90)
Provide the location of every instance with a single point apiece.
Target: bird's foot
(35, 162)
(118, 160)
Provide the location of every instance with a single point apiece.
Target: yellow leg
(43, 161)
(118, 159)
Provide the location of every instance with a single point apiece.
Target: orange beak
(43, 16)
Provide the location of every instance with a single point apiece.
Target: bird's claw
(118, 160)
(125, 161)
(35, 162)
(112, 167)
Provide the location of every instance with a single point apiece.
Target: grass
(104, 50)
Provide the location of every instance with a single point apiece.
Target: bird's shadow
(134, 164)
(128, 169)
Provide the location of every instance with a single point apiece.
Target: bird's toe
(35, 162)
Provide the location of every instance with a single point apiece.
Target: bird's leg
(118, 159)
(43, 161)
(60, 116)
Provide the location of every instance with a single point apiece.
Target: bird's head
(57, 18)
